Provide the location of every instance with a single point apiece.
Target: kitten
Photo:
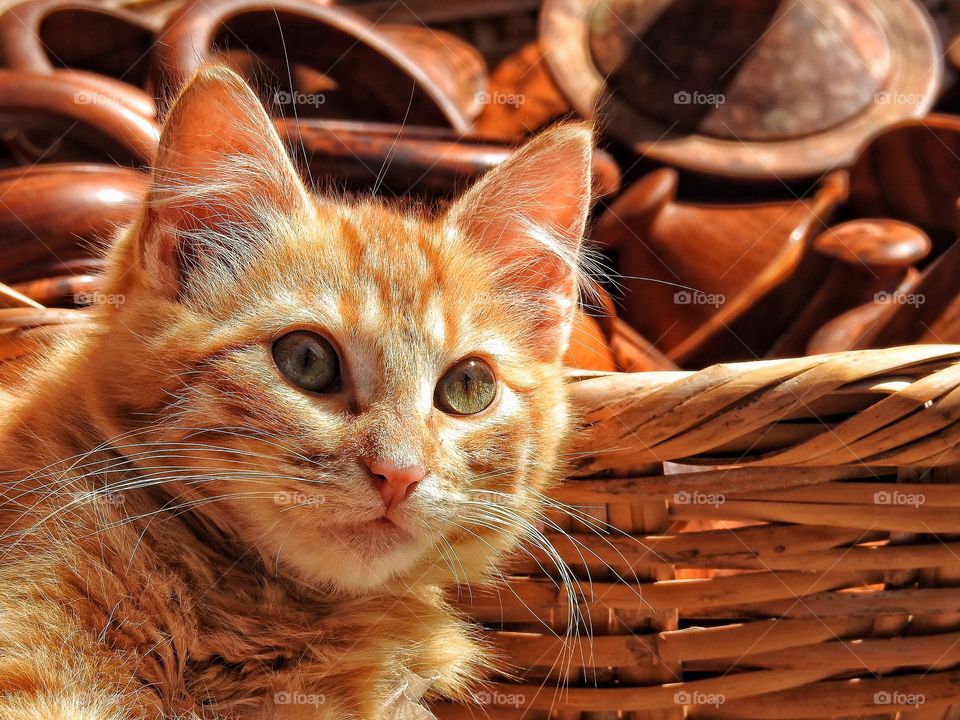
(240, 494)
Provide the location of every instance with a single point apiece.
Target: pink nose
(395, 484)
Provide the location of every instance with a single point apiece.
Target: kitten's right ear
(221, 182)
(530, 214)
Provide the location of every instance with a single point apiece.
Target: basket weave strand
(899, 406)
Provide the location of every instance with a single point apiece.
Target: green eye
(308, 360)
(466, 388)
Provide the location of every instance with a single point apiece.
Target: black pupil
(469, 380)
(309, 357)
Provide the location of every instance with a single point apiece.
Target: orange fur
(187, 534)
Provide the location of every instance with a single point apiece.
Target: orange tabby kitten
(239, 494)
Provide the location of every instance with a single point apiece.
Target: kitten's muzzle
(395, 484)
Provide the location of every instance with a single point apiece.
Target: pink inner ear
(531, 266)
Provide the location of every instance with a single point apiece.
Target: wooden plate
(770, 88)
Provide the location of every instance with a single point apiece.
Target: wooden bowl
(55, 217)
(39, 36)
(67, 115)
(340, 64)
(456, 67)
(774, 88)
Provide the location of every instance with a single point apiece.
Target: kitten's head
(357, 394)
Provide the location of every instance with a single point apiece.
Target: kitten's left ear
(221, 180)
(531, 213)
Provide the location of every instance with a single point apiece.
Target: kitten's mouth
(386, 526)
(382, 531)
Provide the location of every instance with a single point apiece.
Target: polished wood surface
(787, 89)
(911, 172)
(407, 158)
(65, 115)
(331, 41)
(54, 217)
(755, 260)
(691, 270)
(61, 290)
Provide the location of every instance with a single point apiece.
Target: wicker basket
(802, 559)
(808, 571)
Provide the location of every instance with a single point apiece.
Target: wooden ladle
(871, 264)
